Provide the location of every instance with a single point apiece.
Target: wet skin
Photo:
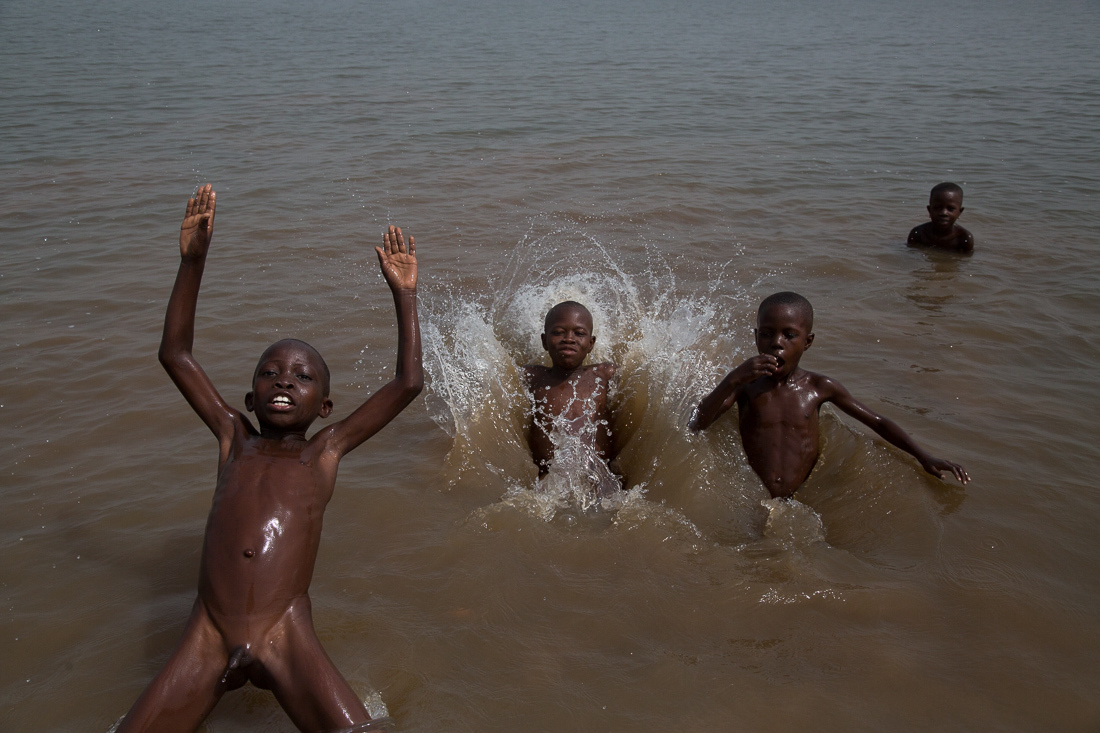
(567, 390)
(252, 620)
(778, 405)
(942, 232)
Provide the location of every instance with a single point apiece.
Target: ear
(326, 408)
(249, 402)
(810, 340)
(929, 207)
(961, 210)
(544, 346)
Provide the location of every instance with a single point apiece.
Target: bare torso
(779, 429)
(262, 533)
(575, 403)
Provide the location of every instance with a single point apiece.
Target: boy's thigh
(188, 686)
(306, 682)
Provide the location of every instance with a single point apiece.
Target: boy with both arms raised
(252, 620)
(778, 402)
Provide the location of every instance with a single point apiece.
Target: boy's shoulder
(919, 235)
(605, 369)
(964, 240)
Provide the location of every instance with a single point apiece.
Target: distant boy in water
(945, 205)
(252, 620)
(570, 400)
(778, 401)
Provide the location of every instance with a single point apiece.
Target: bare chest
(579, 397)
(780, 407)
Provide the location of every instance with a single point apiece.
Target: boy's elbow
(412, 384)
(171, 359)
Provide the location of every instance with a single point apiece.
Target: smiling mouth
(281, 401)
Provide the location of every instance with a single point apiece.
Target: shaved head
(792, 299)
(563, 306)
(315, 356)
(946, 187)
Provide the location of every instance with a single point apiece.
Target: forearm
(717, 402)
(410, 369)
(179, 320)
(893, 433)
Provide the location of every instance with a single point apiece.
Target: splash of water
(670, 347)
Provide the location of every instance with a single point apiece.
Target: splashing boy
(778, 401)
(571, 418)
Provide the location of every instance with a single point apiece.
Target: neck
(560, 372)
(267, 432)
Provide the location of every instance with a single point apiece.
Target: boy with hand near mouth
(570, 399)
(944, 207)
(252, 620)
(778, 402)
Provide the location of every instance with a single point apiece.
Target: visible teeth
(280, 400)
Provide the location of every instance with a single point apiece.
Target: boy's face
(288, 388)
(783, 331)
(568, 337)
(944, 209)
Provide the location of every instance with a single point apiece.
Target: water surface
(670, 165)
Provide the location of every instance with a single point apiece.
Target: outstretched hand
(936, 467)
(397, 260)
(198, 223)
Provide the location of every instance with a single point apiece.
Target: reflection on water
(933, 286)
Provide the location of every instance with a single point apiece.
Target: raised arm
(836, 393)
(721, 399)
(179, 321)
(398, 263)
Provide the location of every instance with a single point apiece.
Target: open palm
(398, 260)
(198, 223)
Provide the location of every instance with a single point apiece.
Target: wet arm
(399, 268)
(890, 431)
(721, 399)
(179, 320)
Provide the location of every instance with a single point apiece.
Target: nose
(284, 383)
